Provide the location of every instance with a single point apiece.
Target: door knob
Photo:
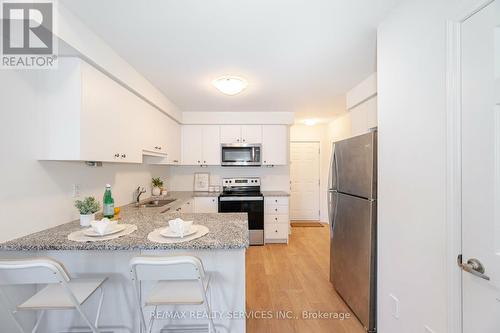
(473, 266)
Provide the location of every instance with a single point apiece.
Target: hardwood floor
(294, 278)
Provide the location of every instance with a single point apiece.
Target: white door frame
(319, 166)
(454, 164)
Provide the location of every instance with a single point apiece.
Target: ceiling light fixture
(310, 122)
(230, 85)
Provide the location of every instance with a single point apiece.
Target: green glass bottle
(108, 203)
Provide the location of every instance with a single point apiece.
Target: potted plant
(87, 207)
(157, 185)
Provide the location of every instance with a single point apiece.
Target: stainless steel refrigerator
(352, 209)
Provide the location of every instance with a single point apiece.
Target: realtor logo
(27, 38)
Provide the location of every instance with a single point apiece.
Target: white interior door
(304, 178)
(481, 171)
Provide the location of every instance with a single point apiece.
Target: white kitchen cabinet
(192, 148)
(186, 207)
(173, 130)
(275, 145)
(206, 205)
(211, 145)
(88, 116)
(200, 145)
(230, 133)
(276, 219)
(251, 133)
(241, 133)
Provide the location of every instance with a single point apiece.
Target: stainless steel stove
(242, 195)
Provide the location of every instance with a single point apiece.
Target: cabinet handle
(276, 218)
(275, 209)
(276, 230)
(124, 155)
(176, 161)
(117, 155)
(159, 148)
(238, 140)
(205, 162)
(276, 200)
(244, 140)
(198, 161)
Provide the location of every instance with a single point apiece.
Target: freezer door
(354, 166)
(353, 255)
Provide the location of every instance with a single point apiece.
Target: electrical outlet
(395, 306)
(76, 190)
(428, 330)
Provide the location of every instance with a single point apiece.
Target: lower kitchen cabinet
(187, 207)
(206, 205)
(276, 219)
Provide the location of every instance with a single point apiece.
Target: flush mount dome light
(230, 85)
(310, 122)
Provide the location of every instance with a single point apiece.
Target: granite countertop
(275, 194)
(227, 231)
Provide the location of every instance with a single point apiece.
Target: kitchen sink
(158, 203)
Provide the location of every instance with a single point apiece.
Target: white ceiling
(297, 55)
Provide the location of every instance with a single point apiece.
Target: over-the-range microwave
(241, 154)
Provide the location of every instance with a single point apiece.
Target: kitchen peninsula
(222, 252)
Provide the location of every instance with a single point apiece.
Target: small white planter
(86, 219)
(156, 191)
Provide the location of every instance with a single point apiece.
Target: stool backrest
(166, 268)
(39, 270)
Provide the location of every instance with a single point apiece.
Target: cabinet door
(107, 119)
(206, 205)
(211, 145)
(251, 133)
(275, 144)
(230, 134)
(173, 145)
(187, 207)
(192, 144)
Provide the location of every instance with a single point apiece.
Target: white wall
(275, 178)
(318, 133)
(36, 195)
(412, 130)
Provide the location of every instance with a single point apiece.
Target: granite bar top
(275, 194)
(227, 231)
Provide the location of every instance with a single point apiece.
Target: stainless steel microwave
(238, 154)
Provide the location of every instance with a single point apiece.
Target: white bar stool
(180, 280)
(61, 293)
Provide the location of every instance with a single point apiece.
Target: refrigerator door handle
(334, 211)
(335, 169)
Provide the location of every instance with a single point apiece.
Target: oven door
(254, 206)
(240, 155)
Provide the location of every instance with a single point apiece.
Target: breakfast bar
(222, 252)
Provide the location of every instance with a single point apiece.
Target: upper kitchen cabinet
(162, 137)
(275, 144)
(241, 134)
(87, 116)
(201, 145)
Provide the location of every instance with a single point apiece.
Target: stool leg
(152, 319)
(86, 319)
(39, 319)
(99, 307)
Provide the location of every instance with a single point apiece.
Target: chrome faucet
(139, 192)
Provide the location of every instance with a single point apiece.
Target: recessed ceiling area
(297, 56)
